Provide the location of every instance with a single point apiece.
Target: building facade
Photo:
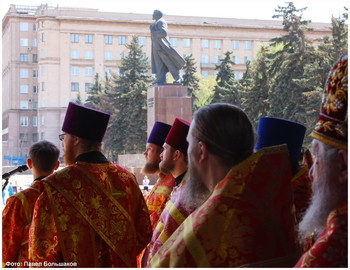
(51, 55)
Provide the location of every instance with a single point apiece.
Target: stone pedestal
(167, 102)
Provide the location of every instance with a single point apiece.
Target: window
(108, 39)
(35, 137)
(121, 55)
(108, 55)
(248, 45)
(35, 105)
(43, 53)
(43, 70)
(23, 27)
(216, 59)
(35, 58)
(35, 73)
(205, 43)
(23, 89)
(35, 121)
(173, 42)
(235, 60)
(246, 59)
(23, 121)
(74, 71)
(186, 43)
(238, 75)
(74, 38)
(205, 73)
(35, 89)
(235, 44)
(42, 37)
(74, 86)
(74, 54)
(142, 41)
(35, 43)
(23, 137)
(42, 123)
(121, 40)
(24, 104)
(88, 55)
(88, 87)
(88, 71)
(23, 42)
(205, 59)
(23, 57)
(23, 73)
(217, 44)
(42, 86)
(88, 38)
(35, 27)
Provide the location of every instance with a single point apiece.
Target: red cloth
(172, 216)
(331, 247)
(89, 215)
(16, 218)
(158, 197)
(248, 218)
(301, 185)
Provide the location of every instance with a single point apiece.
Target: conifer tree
(127, 93)
(226, 88)
(190, 79)
(95, 95)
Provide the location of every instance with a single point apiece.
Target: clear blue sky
(318, 10)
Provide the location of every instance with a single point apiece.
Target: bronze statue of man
(164, 57)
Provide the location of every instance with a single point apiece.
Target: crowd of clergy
(227, 195)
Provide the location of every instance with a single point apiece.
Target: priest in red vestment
(159, 194)
(18, 212)
(243, 202)
(173, 161)
(276, 131)
(327, 215)
(91, 213)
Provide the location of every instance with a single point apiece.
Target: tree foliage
(190, 79)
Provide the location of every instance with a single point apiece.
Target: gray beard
(324, 199)
(195, 192)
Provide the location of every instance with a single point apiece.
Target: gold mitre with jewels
(332, 123)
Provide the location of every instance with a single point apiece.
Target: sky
(318, 10)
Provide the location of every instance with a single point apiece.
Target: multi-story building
(51, 54)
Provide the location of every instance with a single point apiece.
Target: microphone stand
(6, 183)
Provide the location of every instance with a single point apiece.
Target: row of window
(235, 59)
(75, 87)
(24, 104)
(24, 89)
(24, 27)
(24, 57)
(24, 137)
(238, 75)
(74, 71)
(24, 121)
(108, 39)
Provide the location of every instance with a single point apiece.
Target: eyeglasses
(61, 137)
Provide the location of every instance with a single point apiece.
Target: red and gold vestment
(16, 218)
(158, 197)
(331, 247)
(248, 218)
(92, 215)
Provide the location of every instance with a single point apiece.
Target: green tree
(78, 100)
(255, 87)
(95, 94)
(287, 66)
(190, 79)
(204, 94)
(226, 89)
(127, 94)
